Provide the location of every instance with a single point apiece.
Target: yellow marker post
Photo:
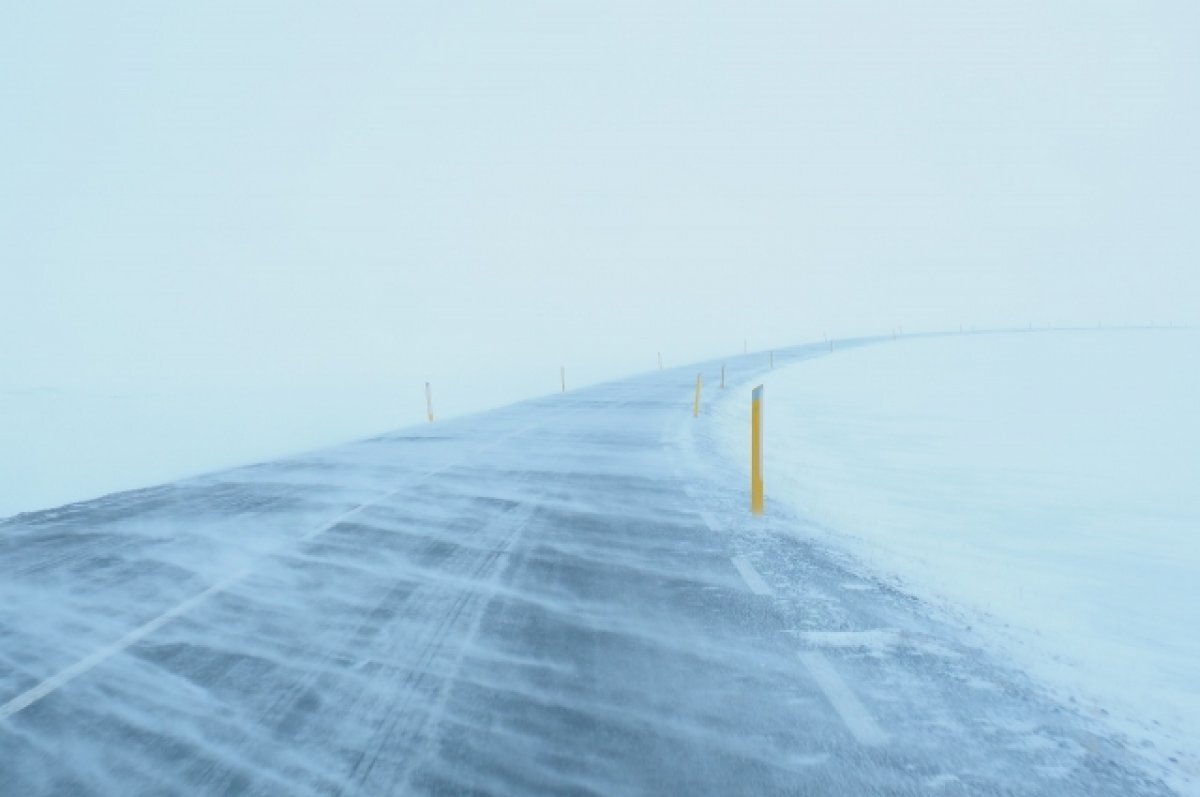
(696, 401)
(429, 401)
(756, 451)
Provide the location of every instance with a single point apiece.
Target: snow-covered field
(60, 445)
(1043, 487)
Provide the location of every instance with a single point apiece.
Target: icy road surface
(566, 595)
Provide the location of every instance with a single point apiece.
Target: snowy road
(566, 595)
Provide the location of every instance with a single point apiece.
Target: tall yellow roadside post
(429, 402)
(756, 451)
(696, 401)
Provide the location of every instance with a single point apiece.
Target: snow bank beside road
(61, 446)
(1046, 484)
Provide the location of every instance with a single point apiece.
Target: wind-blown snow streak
(31, 696)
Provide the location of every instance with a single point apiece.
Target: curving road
(562, 596)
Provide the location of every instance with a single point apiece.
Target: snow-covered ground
(65, 444)
(58, 446)
(1043, 487)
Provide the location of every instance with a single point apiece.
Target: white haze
(252, 198)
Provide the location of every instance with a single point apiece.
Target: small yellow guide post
(429, 402)
(696, 401)
(756, 451)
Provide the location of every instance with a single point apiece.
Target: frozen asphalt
(562, 596)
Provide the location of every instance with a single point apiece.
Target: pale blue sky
(254, 193)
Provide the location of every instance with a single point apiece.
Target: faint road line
(68, 674)
(853, 713)
(750, 576)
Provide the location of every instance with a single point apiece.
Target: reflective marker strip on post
(429, 401)
(756, 451)
(696, 401)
